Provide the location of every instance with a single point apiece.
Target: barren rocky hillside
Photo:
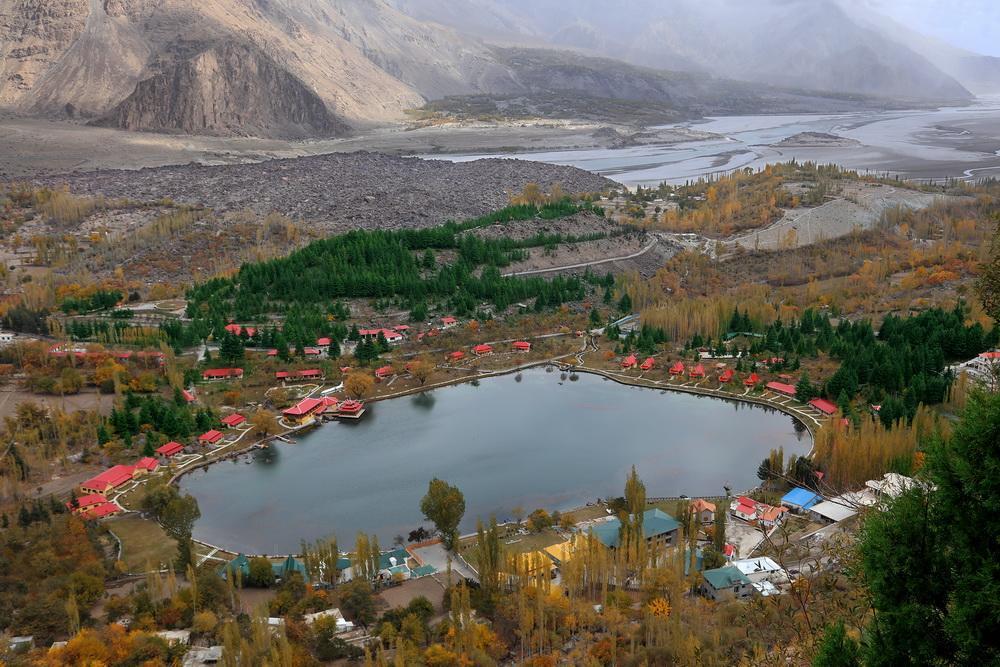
(340, 192)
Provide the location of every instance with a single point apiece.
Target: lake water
(537, 441)
(923, 144)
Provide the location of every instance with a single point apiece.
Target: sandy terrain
(860, 206)
(11, 397)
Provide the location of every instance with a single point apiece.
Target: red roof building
(752, 381)
(304, 411)
(351, 407)
(170, 449)
(648, 364)
(233, 420)
(84, 503)
(448, 322)
(384, 372)
(824, 406)
(222, 374)
(521, 346)
(677, 369)
(345, 369)
(273, 352)
(188, 396)
(101, 511)
(630, 362)
(482, 349)
(727, 376)
(697, 372)
(990, 356)
(108, 480)
(237, 330)
(210, 437)
(312, 351)
(309, 374)
(456, 356)
(323, 342)
(123, 356)
(401, 328)
(147, 464)
(781, 388)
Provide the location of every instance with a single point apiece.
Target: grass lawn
(144, 543)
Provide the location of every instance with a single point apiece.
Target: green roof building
(725, 583)
(658, 527)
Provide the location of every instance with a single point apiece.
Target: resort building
(704, 509)
(324, 342)
(727, 376)
(109, 480)
(677, 369)
(312, 351)
(391, 337)
(456, 356)
(648, 364)
(726, 583)
(749, 509)
(521, 346)
(304, 412)
(239, 330)
(482, 350)
(843, 507)
(801, 500)
(659, 529)
(101, 511)
(782, 388)
(170, 449)
(145, 465)
(629, 362)
(384, 372)
(448, 322)
(351, 408)
(210, 437)
(752, 381)
(85, 503)
(233, 420)
(697, 372)
(188, 396)
(824, 406)
(216, 374)
(299, 376)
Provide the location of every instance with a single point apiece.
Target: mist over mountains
(304, 68)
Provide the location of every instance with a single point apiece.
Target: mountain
(806, 44)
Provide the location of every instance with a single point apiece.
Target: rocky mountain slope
(809, 44)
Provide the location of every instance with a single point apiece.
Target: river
(960, 142)
(534, 440)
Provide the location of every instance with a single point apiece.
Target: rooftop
(725, 577)
(799, 497)
(654, 522)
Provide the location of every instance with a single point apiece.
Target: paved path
(582, 265)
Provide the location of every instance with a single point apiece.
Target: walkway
(582, 265)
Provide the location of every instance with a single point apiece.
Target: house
(175, 637)
(351, 408)
(781, 388)
(824, 406)
(297, 376)
(384, 372)
(456, 356)
(704, 509)
(658, 527)
(200, 657)
(402, 329)
(108, 480)
(697, 372)
(238, 330)
(677, 369)
(85, 503)
(312, 351)
(21, 644)
(629, 362)
(448, 322)
(216, 374)
(648, 364)
(727, 376)
(761, 569)
(892, 485)
(726, 583)
(482, 349)
(6, 337)
(769, 516)
(303, 412)
(188, 396)
(752, 381)
(101, 511)
(521, 346)
(843, 507)
(749, 509)
(146, 465)
(233, 420)
(170, 449)
(209, 437)
(801, 500)
(324, 341)
(744, 508)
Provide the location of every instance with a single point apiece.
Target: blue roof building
(800, 499)
(658, 527)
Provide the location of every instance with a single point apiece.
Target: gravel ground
(340, 192)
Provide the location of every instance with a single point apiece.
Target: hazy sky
(971, 24)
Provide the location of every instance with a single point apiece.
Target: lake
(534, 440)
(960, 142)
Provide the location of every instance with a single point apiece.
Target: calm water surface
(536, 441)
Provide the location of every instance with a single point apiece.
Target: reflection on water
(535, 442)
